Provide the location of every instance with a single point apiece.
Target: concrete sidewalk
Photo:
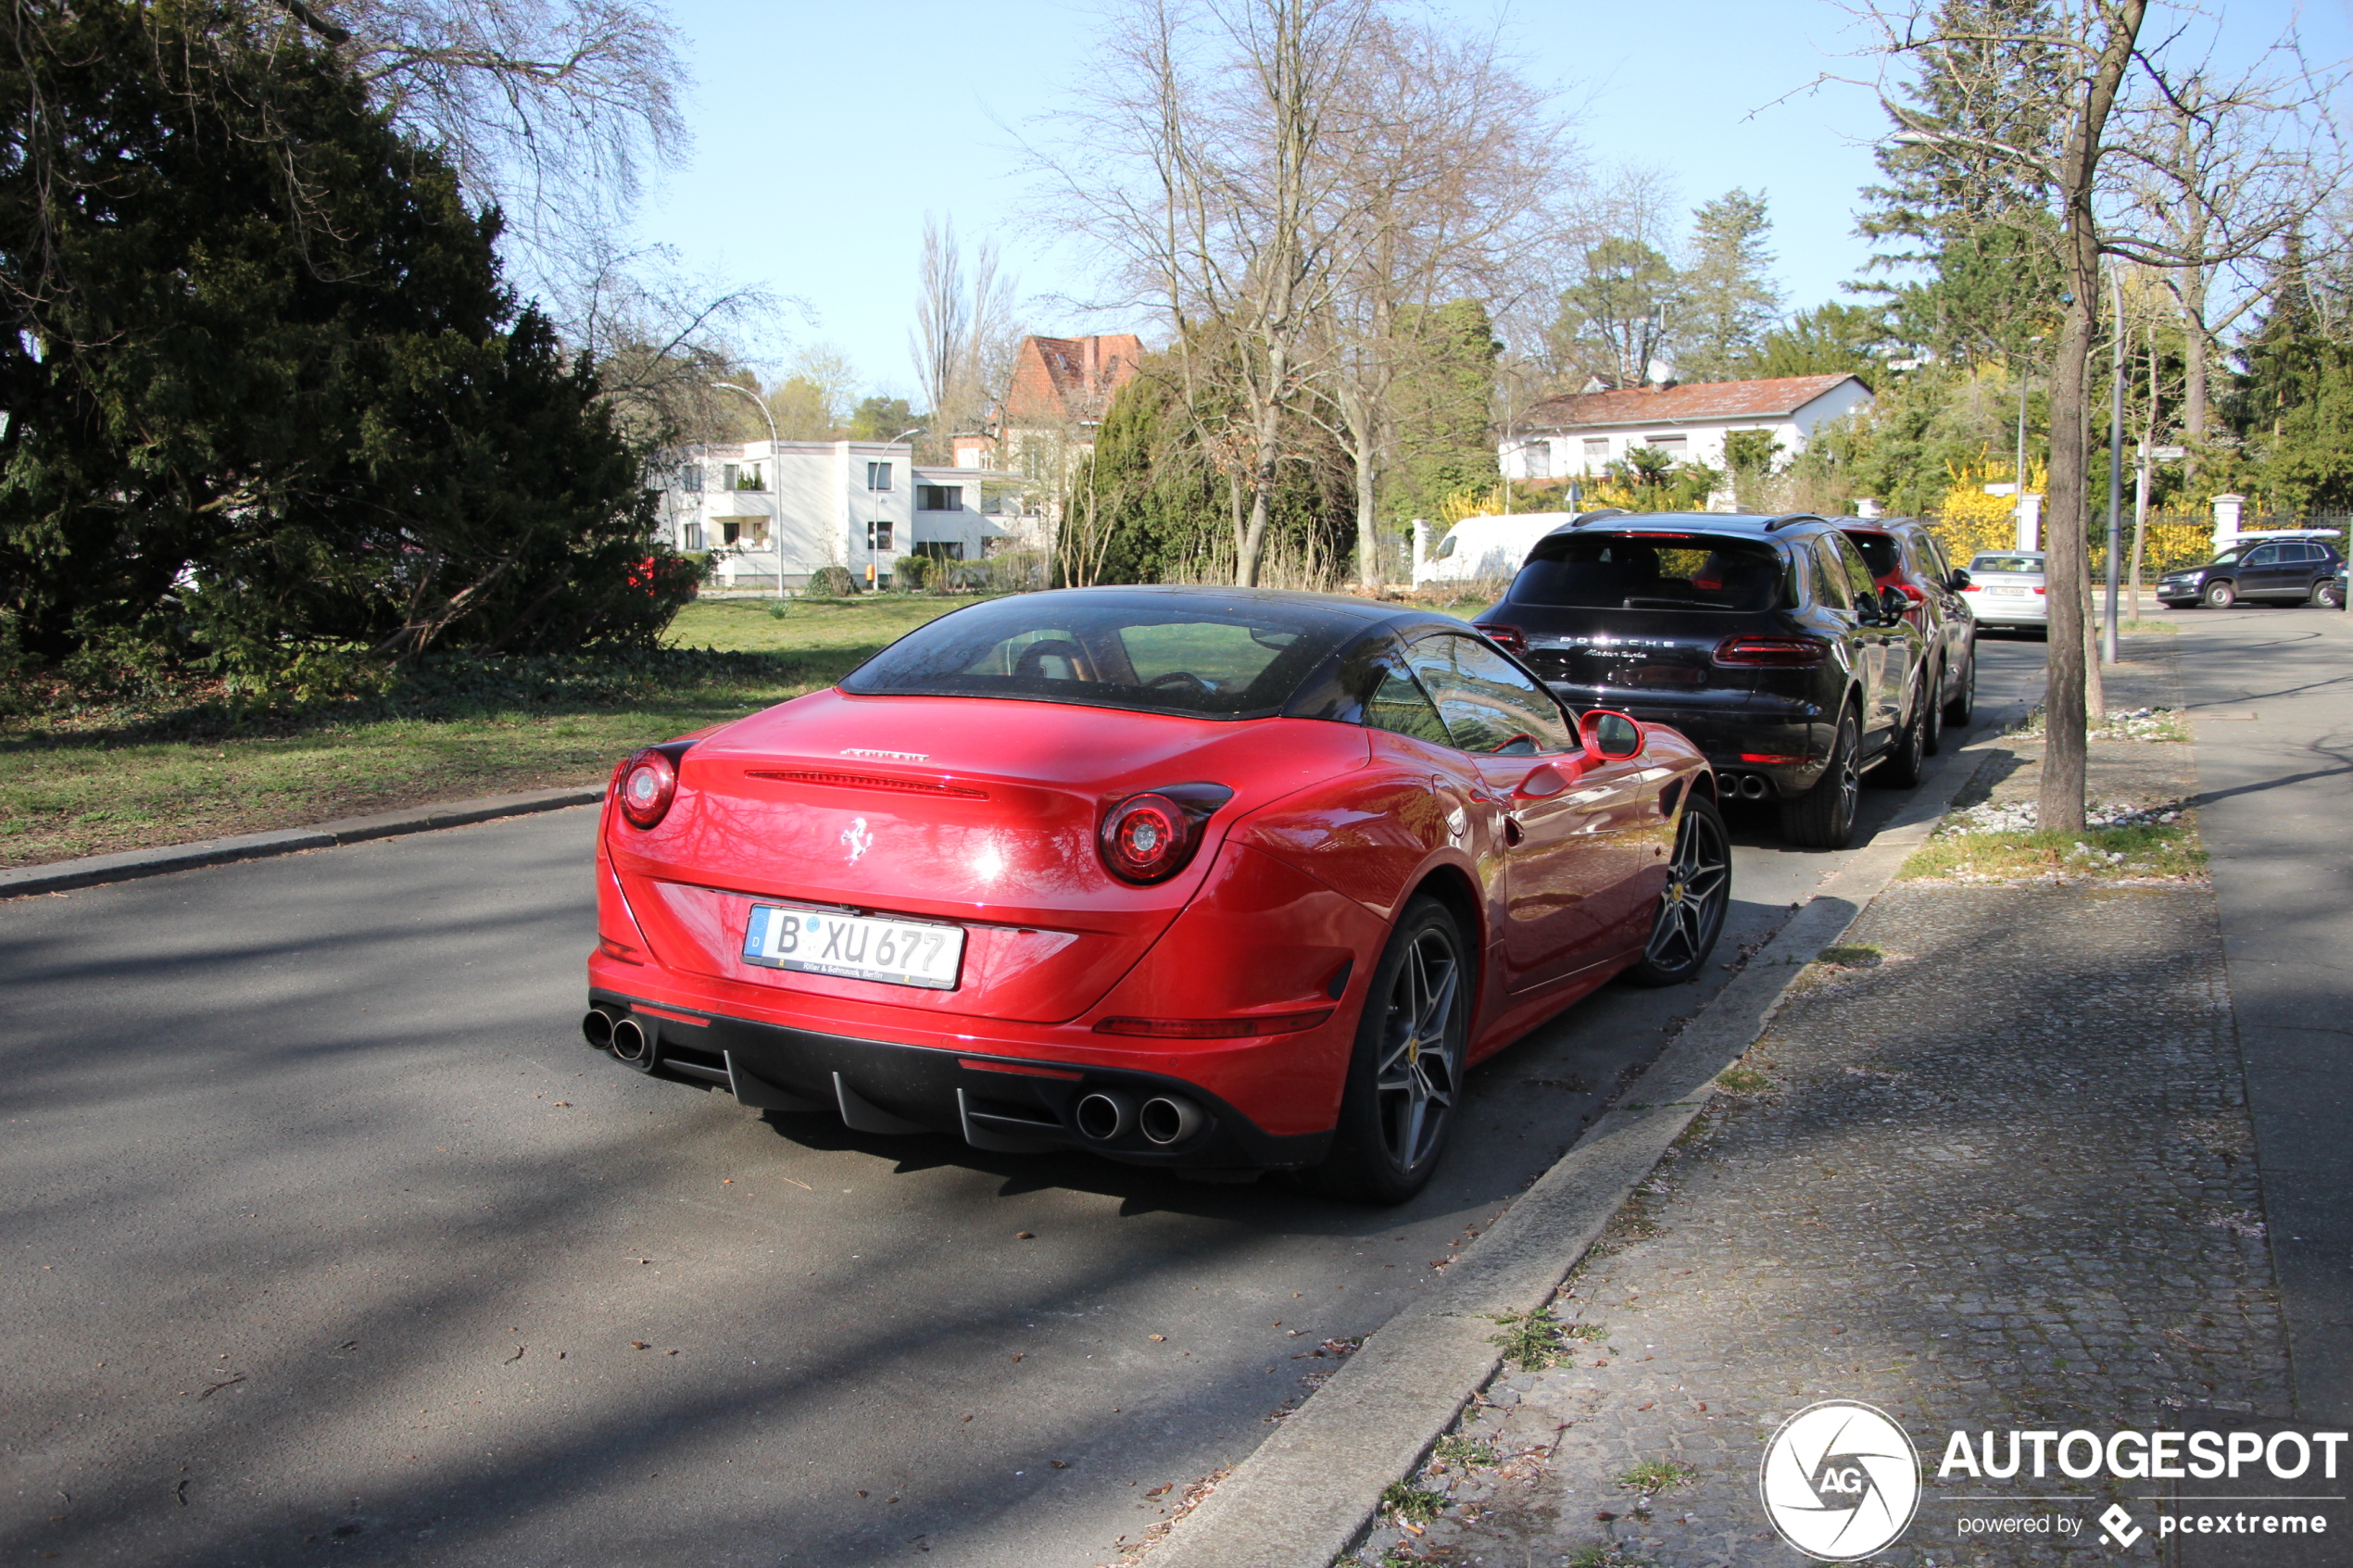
(2271, 701)
(1997, 1171)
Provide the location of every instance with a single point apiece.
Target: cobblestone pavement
(1997, 1175)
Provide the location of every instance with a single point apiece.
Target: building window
(1596, 450)
(747, 533)
(1675, 447)
(729, 474)
(690, 479)
(939, 497)
(878, 476)
(693, 536)
(752, 481)
(878, 533)
(1537, 459)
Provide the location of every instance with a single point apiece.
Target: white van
(1491, 547)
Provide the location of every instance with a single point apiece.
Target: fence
(2173, 538)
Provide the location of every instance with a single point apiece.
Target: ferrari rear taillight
(1150, 838)
(648, 784)
(1147, 837)
(1775, 653)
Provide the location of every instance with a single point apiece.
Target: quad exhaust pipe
(1168, 1118)
(633, 1042)
(596, 1028)
(1104, 1115)
(1750, 787)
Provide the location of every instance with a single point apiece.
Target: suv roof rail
(1773, 522)
(1581, 518)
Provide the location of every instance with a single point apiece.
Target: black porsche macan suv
(1762, 638)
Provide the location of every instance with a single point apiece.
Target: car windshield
(1207, 655)
(1878, 550)
(1590, 570)
(2031, 565)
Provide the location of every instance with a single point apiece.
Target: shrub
(833, 583)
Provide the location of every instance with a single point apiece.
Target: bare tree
(1203, 159)
(2091, 157)
(962, 324)
(1450, 160)
(550, 109)
(2232, 171)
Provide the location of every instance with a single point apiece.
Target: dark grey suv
(2298, 570)
(1764, 639)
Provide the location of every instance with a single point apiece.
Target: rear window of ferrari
(1590, 570)
(1196, 654)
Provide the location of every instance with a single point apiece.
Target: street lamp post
(873, 507)
(2115, 465)
(776, 490)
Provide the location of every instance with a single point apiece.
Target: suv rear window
(1878, 551)
(1591, 569)
(2007, 563)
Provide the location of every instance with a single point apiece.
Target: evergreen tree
(1980, 235)
(1444, 445)
(266, 389)
(1613, 321)
(1831, 339)
(1726, 297)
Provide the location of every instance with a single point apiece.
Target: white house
(770, 509)
(1585, 432)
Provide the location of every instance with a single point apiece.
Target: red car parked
(1203, 878)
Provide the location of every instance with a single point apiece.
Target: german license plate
(2008, 593)
(896, 952)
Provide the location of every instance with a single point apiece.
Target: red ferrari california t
(1215, 879)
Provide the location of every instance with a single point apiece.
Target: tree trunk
(2066, 560)
(1366, 454)
(2196, 344)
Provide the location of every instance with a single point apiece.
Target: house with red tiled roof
(1583, 432)
(1055, 401)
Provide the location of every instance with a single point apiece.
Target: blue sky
(822, 133)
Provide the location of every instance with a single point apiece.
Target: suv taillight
(1504, 637)
(1772, 653)
(648, 782)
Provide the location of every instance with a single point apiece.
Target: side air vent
(865, 780)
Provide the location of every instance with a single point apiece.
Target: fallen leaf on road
(639, 1345)
(1161, 1490)
(1058, 1464)
(1017, 1355)
(1024, 1236)
(1157, 1338)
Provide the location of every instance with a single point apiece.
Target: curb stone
(1305, 1495)
(58, 876)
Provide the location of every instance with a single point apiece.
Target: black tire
(2220, 595)
(1690, 907)
(1823, 818)
(2324, 594)
(1962, 707)
(1406, 1072)
(1906, 760)
(1932, 711)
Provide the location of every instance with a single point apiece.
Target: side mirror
(1609, 734)
(1959, 580)
(1893, 605)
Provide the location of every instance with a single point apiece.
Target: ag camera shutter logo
(1840, 1480)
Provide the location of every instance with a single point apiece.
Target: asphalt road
(326, 1239)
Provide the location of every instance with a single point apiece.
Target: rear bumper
(1002, 1095)
(1734, 736)
(2034, 611)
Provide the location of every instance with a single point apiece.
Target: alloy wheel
(1418, 1072)
(1699, 885)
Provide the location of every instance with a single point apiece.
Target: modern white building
(766, 509)
(1584, 432)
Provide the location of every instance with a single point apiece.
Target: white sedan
(2006, 589)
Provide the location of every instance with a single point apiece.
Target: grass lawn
(100, 780)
